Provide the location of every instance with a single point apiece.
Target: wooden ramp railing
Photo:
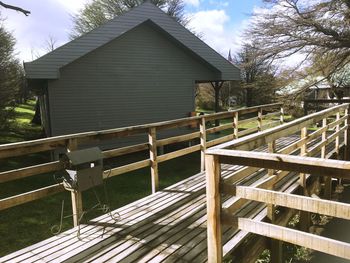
(233, 121)
(329, 130)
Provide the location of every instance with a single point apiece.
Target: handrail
(280, 167)
(130, 130)
(198, 131)
(288, 128)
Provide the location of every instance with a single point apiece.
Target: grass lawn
(20, 128)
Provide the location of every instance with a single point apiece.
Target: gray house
(138, 68)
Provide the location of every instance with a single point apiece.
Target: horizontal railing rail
(322, 136)
(200, 128)
(314, 104)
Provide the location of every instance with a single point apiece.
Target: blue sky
(220, 22)
(238, 9)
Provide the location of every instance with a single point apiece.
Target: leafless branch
(16, 8)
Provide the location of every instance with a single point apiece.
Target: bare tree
(318, 30)
(256, 73)
(50, 43)
(16, 8)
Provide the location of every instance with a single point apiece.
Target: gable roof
(47, 66)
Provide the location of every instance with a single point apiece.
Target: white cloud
(192, 2)
(216, 30)
(73, 6)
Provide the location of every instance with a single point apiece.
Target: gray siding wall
(138, 78)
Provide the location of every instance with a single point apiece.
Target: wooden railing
(72, 142)
(329, 133)
(315, 104)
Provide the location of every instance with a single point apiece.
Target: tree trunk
(249, 100)
(37, 116)
(217, 85)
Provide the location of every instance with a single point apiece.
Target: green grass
(20, 127)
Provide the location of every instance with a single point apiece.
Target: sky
(220, 23)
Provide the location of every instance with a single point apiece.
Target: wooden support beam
(235, 125)
(76, 196)
(177, 139)
(178, 153)
(126, 168)
(327, 179)
(305, 217)
(152, 140)
(260, 118)
(30, 196)
(315, 242)
(275, 245)
(203, 143)
(219, 128)
(304, 203)
(310, 165)
(214, 231)
(220, 140)
(125, 150)
(30, 171)
(281, 116)
(337, 140)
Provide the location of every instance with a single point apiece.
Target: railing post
(281, 116)
(337, 139)
(327, 179)
(305, 217)
(260, 119)
(203, 141)
(214, 233)
(275, 245)
(152, 140)
(235, 125)
(324, 138)
(76, 196)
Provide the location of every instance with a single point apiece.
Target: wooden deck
(167, 226)
(171, 224)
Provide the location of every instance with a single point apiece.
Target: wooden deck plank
(134, 240)
(133, 207)
(145, 215)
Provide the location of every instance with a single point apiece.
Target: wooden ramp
(167, 226)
